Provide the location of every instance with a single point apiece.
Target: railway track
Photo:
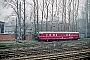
(73, 55)
(45, 51)
(44, 54)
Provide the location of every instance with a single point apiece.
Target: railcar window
(69, 34)
(46, 34)
(49, 34)
(60, 34)
(73, 34)
(56, 34)
(53, 34)
(66, 34)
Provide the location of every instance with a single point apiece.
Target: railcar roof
(58, 32)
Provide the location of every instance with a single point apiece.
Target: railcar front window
(40, 34)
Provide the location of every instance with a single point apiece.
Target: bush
(2, 45)
(35, 36)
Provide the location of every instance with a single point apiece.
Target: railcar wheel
(47, 40)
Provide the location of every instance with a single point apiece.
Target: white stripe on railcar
(57, 32)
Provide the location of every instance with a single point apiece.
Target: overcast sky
(4, 12)
(7, 11)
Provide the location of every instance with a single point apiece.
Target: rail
(75, 55)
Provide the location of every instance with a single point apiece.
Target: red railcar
(49, 36)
